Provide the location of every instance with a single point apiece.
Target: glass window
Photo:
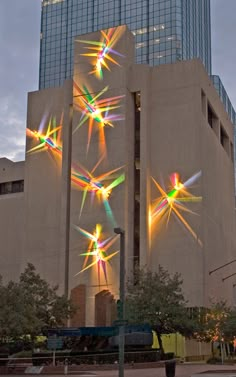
(167, 19)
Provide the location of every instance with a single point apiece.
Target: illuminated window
(50, 2)
(141, 44)
(152, 22)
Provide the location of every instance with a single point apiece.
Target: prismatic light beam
(102, 52)
(98, 250)
(97, 111)
(100, 186)
(50, 140)
(171, 202)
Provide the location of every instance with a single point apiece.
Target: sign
(121, 322)
(54, 343)
(34, 370)
(133, 328)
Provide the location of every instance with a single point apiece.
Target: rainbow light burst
(51, 140)
(171, 202)
(101, 51)
(85, 180)
(97, 111)
(97, 249)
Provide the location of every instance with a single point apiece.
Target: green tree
(156, 298)
(215, 320)
(12, 319)
(229, 325)
(30, 306)
(218, 325)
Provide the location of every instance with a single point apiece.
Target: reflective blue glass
(165, 31)
(224, 98)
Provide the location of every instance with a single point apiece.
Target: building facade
(12, 219)
(165, 31)
(148, 149)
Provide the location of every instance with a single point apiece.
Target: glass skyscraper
(165, 30)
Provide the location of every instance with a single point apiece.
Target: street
(182, 370)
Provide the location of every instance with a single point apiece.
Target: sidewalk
(182, 370)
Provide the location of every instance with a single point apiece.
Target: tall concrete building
(149, 149)
(165, 31)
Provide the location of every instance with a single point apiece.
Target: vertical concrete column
(129, 183)
(139, 81)
(145, 195)
(66, 184)
(117, 154)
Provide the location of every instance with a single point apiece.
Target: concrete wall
(119, 153)
(182, 141)
(12, 221)
(44, 189)
(175, 137)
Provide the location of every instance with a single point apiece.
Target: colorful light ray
(96, 111)
(51, 140)
(102, 53)
(86, 181)
(171, 202)
(97, 249)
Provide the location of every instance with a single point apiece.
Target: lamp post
(121, 232)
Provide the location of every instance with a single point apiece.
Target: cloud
(19, 63)
(19, 67)
(12, 128)
(223, 44)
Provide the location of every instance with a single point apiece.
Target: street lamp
(121, 232)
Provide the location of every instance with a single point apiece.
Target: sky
(19, 63)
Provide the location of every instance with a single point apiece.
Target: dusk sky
(19, 63)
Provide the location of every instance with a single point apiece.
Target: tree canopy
(156, 298)
(30, 306)
(218, 323)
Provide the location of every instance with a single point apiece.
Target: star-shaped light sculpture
(51, 140)
(99, 186)
(98, 250)
(171, 202)
(102, 52)
(97, 111)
